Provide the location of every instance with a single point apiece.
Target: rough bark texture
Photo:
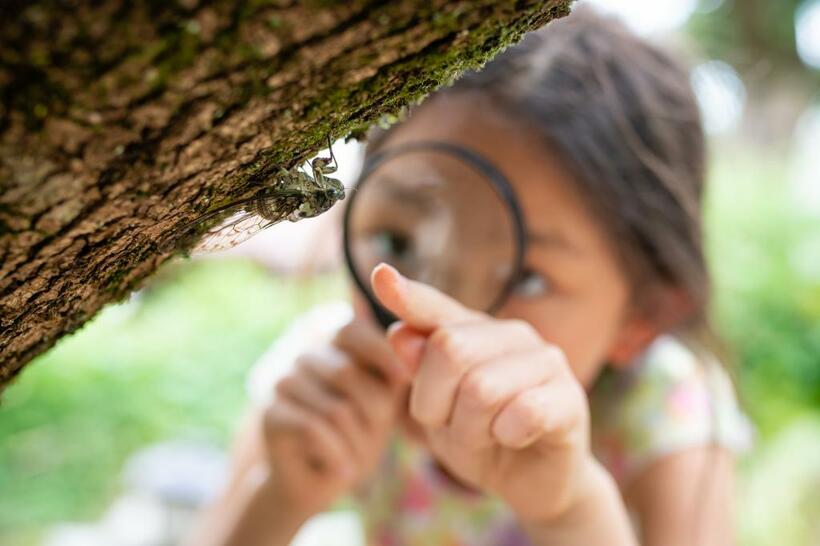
(122, 121)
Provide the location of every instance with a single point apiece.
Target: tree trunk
(122, 121)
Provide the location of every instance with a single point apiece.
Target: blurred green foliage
(764, 249)
(756, 36)
(765, 256)
(171, 363)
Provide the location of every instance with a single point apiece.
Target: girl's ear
(670, 307)
(635, 335)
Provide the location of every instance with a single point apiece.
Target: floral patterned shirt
(668, 400)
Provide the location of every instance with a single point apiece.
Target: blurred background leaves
(169, 363)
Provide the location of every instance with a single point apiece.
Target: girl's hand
(500, 406)
(331, 418)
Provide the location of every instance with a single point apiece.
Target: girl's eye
(389, 243)
(531, 284)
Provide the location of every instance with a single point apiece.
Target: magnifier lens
(437, 219)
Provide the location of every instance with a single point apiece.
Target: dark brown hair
(621, 115)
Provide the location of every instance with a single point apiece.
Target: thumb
(418, 305)
(408, 344)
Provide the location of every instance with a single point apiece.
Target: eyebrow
(407, 196)
(552, 239)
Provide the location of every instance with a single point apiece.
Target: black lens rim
(477, 162)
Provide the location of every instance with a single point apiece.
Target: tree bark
(122, 121)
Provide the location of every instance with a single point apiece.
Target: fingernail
(393, 272)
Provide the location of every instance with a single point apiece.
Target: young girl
(588, 408)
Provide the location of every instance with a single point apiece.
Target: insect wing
(237, 228)
(240, 221)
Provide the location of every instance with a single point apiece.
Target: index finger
(421, 306)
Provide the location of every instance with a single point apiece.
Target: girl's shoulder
(672, 398)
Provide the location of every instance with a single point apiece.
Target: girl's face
(583, 304)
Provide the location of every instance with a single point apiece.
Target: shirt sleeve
(671, 400)
(313, 328)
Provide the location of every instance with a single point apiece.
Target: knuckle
(270, 430)
(442, 341)
(578, 398)
(449, 343)
(339, 412)
(479, 389)
(311, 428)
(554, 356)
(345, 332)
(525, 328)
(577, 392)
(275, 422)
(559, 355)
(343, 374)
(270, 420)
(380, 419)
(567, 430)
(284, 385)
(529, 408)
(304, 361)
(382, 412)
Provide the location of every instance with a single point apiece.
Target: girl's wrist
(596, 516)
(270, 493)
(264, 515)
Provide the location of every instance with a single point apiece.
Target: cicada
(294, 195)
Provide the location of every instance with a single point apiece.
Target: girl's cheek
(583, 337)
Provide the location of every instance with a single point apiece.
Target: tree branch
(122, 121)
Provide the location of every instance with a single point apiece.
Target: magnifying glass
(441, 214)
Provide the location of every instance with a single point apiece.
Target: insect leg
(330, 149)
